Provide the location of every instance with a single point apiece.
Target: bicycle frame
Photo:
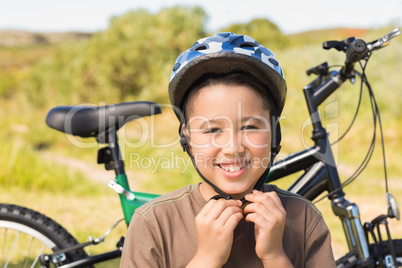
(111, 157)
(319, 165)
(130, 201)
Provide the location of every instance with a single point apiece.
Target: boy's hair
(233, 79)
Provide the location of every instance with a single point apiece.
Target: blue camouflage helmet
(225, 53)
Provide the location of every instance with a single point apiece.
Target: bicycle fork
(352, 226)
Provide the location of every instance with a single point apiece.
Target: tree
(130, 60)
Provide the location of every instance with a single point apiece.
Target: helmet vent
(248, 44)
(200, 47)
(273, 61)
(176, 67)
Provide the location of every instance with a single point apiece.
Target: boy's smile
(230, 138)
(233, 168)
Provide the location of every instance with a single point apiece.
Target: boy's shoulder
(188, 196)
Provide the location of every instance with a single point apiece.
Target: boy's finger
(233, 220)
(258, 196)
(258, 219)
(258, 208)
(269, 200)
(227, 214)
(218, 206)
(208, 206)
(274, 196)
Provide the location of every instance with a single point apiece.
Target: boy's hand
(269, 216)
(215, 225)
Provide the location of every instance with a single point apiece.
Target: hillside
(310, 37)
(19, 38)
(12, 38)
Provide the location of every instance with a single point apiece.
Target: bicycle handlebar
(356, 49)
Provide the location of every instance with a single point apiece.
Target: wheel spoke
(12, 249)
(29, 252)
(16, 239)
(3, 251)
(26, 235)
(37, 257)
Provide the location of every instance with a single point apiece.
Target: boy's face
(229, 137)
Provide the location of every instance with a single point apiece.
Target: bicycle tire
(21, 227)
(351, 260)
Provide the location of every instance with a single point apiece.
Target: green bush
(264, 31)
(131, 59)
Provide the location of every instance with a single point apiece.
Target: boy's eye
(213, 130)
(248, 127)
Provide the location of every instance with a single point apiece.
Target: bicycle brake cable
(381, 135)
(376, 116)
(372, 144)
(355, 115)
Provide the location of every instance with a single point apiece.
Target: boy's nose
(234, 145)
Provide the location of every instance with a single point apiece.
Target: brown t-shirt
(162, 233)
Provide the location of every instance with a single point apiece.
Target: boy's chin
(238, 192)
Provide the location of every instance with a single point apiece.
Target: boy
(228, 92)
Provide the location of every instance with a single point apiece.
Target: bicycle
(320, 172)
(52, 245)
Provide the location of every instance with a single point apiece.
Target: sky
(292, 16)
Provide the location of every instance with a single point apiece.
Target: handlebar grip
(354, 53)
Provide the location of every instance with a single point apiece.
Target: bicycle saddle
(89, 121)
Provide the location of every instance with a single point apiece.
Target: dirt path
(93, 172)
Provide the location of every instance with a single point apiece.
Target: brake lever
(321, 69)
(391, 35)
(383, 41)
(338, 45)
(393, 207)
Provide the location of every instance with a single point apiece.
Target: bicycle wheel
(350, 260)
(26, 234)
